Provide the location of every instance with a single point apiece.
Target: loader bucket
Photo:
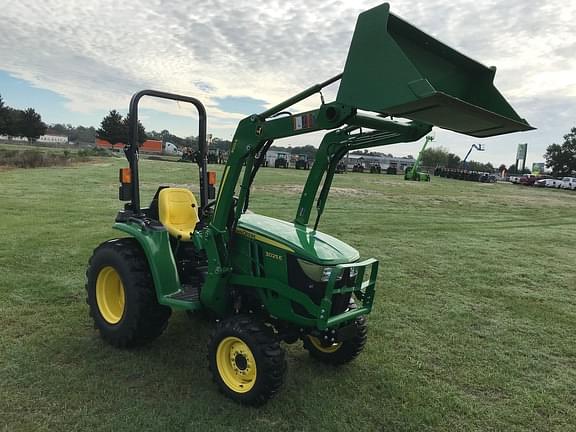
(395, 69)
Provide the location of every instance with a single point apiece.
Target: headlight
(317, 272)
(353, 272)
(326, 274)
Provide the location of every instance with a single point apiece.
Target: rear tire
(246, 360)
(121, 295)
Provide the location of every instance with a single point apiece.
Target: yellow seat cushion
(178, 212)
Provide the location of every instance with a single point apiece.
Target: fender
(156, 246)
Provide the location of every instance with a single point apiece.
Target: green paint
(310, 245)
(392, 69)
(413, 174)
(156, 246)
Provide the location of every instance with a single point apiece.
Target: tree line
(561, 158)
(441, 157)
(21, 123)
(75, 134)
(114, 129)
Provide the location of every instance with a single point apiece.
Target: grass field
(474, 326)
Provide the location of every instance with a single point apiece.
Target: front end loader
(412, 172)
(269, 281)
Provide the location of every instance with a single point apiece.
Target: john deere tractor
(281, 161)
(269, 281)
(302, 162)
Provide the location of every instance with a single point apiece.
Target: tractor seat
(178, 211)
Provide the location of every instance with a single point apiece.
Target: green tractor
(412, 172)
(281, 161)
(302, 162)
(268, 281)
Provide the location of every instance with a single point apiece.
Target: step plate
(189, 293)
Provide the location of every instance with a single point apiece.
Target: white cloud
(96, 53)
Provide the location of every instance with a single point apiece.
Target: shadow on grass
(169, 380)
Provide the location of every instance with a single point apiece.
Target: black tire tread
(269, 355)
(148, 319)
(349, 350)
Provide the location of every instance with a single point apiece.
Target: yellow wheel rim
(110, 295)
(236, 364)
(325, 349)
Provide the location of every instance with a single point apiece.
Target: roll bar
(131, 150)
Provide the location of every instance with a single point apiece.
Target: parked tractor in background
(302, 162)
(213, 156)
(375, 168)
(281, 161)
(188, 155)
(341, 168)
(358, 167)
(412, 173)
(266, 280)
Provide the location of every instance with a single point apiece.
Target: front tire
(121, 295)
(342, 352)
(246, 360)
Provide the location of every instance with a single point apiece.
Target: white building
(400, 163)
(44, 139)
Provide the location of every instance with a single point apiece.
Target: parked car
(569, 183)
(528, 180)
(549, 183)
(487, 178)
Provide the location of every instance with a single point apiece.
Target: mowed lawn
(474, 325)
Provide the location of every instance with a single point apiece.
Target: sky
(74, 61)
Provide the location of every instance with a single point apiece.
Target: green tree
(479, 166)
(434, 156)
(4, 112)
(83, 134)
(31, 125)
(453, 161)
(112, 128)
(13, 125)
(562, 158)
(61, 129)
(512, 169)
(308, 150)
(141, 131)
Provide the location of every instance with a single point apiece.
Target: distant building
(44, 139)
(385, 161)
(400, 163)
(53, 139)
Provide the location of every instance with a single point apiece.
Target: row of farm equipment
(462, 174)
(301, 162)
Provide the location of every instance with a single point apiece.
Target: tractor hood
(302, 241)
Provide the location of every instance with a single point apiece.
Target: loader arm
(337, 143)
(392, 69)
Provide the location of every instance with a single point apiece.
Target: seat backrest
(178, 211)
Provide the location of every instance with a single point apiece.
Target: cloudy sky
(74, 61)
